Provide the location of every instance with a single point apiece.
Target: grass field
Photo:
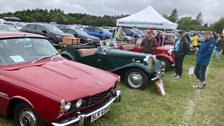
(182, 105)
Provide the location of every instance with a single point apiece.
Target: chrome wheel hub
(135, 79)
(27, 118)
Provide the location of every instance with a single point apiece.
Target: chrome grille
(100, 97)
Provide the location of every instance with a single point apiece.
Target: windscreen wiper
(46, 57)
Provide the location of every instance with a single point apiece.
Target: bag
(160, 88)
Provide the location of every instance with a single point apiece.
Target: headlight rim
(149, 59)
(68, 105)
(80, 104)
(63, 109)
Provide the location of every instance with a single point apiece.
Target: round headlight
(79, 103)
(65, 106)
(150, 62)
(68, 106)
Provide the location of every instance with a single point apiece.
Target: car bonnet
(65, 79)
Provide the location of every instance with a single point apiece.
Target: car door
(29, 28)
(72, 32)
(98, 32)
(40, 30)
(64, 30)
(92, 60)
(102, 59)
(91, 31)
(4, 96)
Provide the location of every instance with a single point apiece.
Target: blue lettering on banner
(142, 23)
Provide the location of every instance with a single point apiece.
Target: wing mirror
(44, 31)
(75, 35)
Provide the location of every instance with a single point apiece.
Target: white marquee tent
(147, 18)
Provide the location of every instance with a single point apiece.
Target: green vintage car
(137, 69)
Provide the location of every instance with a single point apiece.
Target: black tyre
(136, 78)
(24, 115)
(166, 62)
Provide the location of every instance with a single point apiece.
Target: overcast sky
(212, 10)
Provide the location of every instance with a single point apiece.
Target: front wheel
(136, 78)
(24, 115)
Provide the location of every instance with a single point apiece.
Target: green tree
(174, 16)
(199, 18)
(57, 18)
(219, 25)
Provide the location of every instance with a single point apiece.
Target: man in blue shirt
(203, 58)
(180, 51)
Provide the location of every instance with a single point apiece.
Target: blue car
(132, 32)
(98, 32)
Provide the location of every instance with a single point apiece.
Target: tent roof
(147, 18)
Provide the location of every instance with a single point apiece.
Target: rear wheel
(136, 78)
(24, 115)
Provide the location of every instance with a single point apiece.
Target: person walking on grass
(203, 58)
(180, 51)
(195, 40)
(218, 45)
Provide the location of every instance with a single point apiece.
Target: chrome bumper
(80, 116)
(159, 75)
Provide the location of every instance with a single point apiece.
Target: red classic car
(163, 53)
(39, 87)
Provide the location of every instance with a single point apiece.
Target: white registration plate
(97, 115)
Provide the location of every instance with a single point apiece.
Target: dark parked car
(141, 33)
(7, 28)
(38, 86)
(132, 32)
(84, 37)
(53, 33)
(137, 69)
(98, 32)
